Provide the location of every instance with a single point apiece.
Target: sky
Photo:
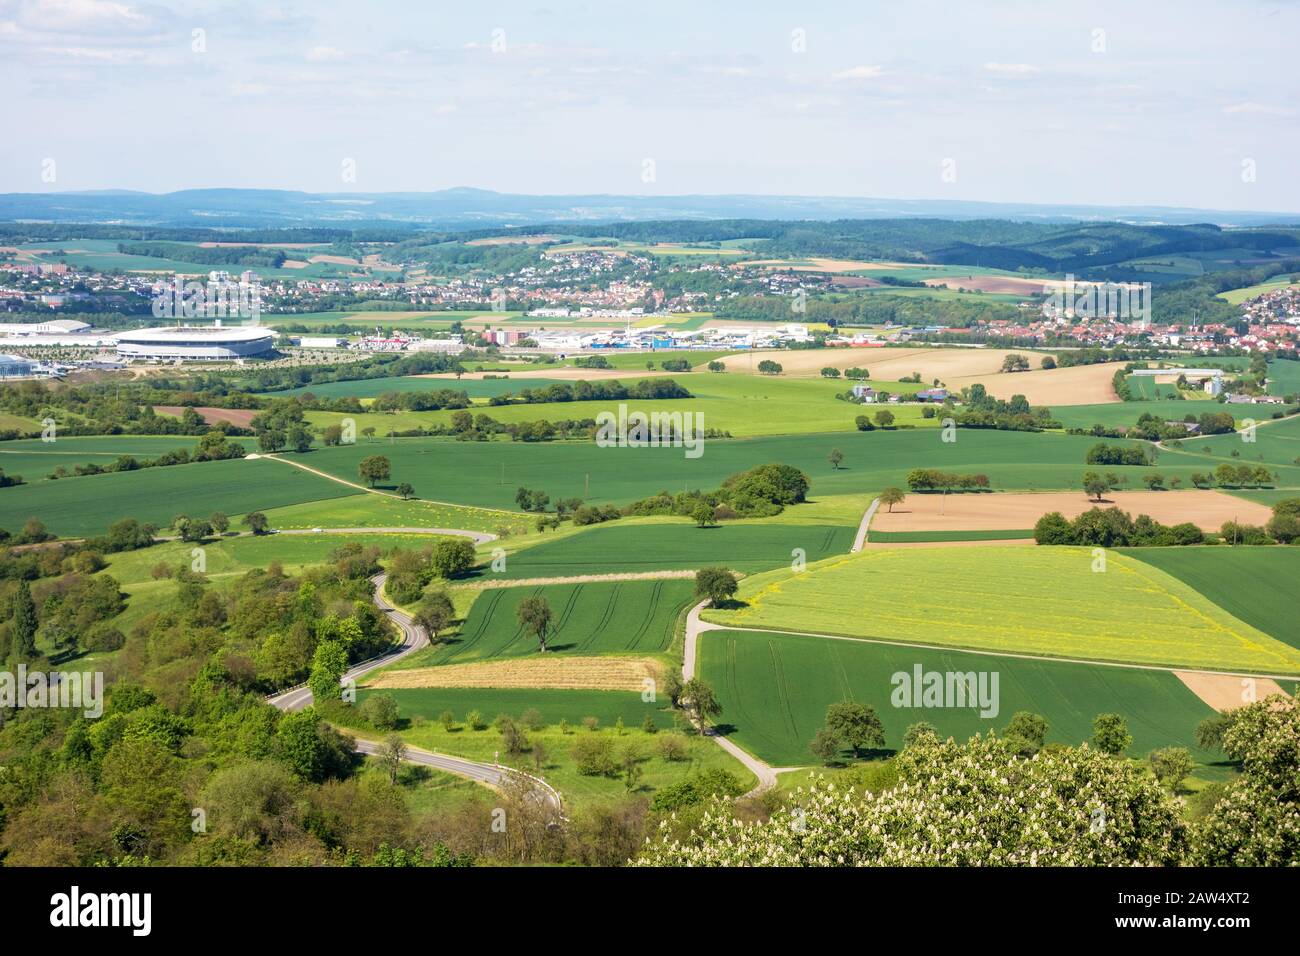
(1187, 103)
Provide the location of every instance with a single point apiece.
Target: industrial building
(14, 366)
(51, 327)
(195, 343)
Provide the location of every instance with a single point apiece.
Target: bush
(104, 637)
(404, 587)
(594, 756)
(379, 711)
(714, 782)
(672, 747)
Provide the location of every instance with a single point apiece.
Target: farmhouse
(932, 395)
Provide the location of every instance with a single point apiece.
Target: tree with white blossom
(978, 803)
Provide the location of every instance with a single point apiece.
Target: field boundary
(1100, 662)
(376, 491)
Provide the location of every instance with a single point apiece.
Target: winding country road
(766, 774)
(414, 638)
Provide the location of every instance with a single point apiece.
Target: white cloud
(1249, 107)
(1011, 69)
(324, 54)
(859, 73)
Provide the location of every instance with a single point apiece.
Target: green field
(775, 689)
(88, 505)
(229, 556)
(667, 546)
(744, 405)
(595, 617)
(1145, 388)
(1255, 584)
(373, 387)
(1040, 601)
(1277, 443)
(357, 509)
(1238, 296)
(423, 707)
(102, 254)
(555, 705)
(1126, 414)
(34, 459)
(488, 474)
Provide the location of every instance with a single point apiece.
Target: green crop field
(744, 405)
(1276, 443)
(1145, 388)
(1126, 414)
(775, 688)
(34, 459)
(617, 547)
(595, 617)
(488, 474)
(361, 510)
(1256, 584)
(1040, 601)
(88, 505)
(1238, 296)
(607, 706)
(373, 387)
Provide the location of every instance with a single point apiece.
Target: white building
(321, 342)
(195, 343)
(52, 327)
(14, 366)
(453, 346)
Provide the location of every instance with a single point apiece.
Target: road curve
(414, 638)
(765, 773)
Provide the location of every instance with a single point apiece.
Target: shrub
(672, 747)
(593, 756)
(379, 711)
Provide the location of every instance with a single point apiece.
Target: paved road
(861, 538)
(414, 638)
(765, 773)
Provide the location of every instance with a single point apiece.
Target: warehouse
(195, 343)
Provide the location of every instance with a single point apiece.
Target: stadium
(195, 343)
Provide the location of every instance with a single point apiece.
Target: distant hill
(479, 208)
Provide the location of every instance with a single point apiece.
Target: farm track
(382, 494)
(413, 639)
